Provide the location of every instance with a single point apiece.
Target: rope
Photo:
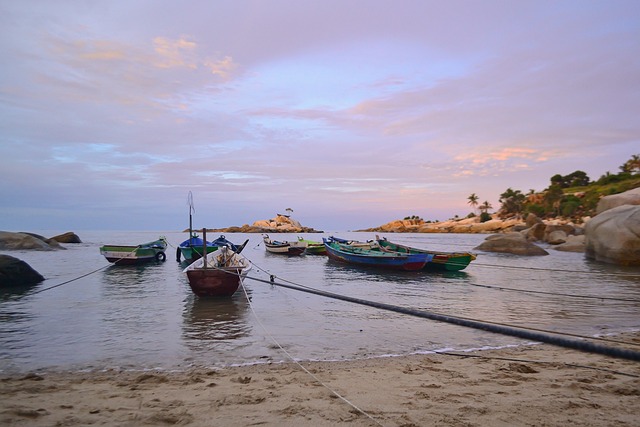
(87, 274)
(486, 326)
(272, 277)
(559, 270)
(69, 281)
(332, 391)
(552, 293)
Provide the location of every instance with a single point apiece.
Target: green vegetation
(572, 196)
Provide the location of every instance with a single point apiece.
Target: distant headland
(286, 224)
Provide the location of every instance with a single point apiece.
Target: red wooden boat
(218, 274)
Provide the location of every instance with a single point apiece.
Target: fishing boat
(139, 254)
(283, 247)
(313, 247)
(363, 256)
(193, 248)
(218, 274)
(442, 261)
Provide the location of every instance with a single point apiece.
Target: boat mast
(191, 210)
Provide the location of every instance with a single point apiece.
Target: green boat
(442, 261)
(313, 247)
(139, 254)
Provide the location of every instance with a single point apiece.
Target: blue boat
(193, 248)
(366, 256)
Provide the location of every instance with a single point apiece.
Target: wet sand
(524, 386)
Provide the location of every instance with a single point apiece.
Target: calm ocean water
(147, 317)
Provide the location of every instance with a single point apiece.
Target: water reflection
(130, 278)
(208, 320)
(16, 293)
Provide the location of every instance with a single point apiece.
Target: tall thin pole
(204, 247)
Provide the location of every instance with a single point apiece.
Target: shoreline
(525, 385)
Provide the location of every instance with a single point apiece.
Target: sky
(351, 113)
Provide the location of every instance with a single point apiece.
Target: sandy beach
(525, 386)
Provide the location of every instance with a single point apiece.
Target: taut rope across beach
(486, 326)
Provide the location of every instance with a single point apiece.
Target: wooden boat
(131, 255)
(442, 261)
(313, 247)
(361, 255)
(283, 247)
(217, 274)
(193, 248)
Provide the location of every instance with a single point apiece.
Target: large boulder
(573, 244)
(510, 243)
(614, 236)
(68, 237)
(19, 241)
(631, 197)
(15, 272)
(535, 232)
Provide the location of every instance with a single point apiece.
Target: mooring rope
(315, 377)
(476, 324)
(560, 294)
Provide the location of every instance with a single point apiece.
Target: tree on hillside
(484, 207)
(632, 165)
(552, 198)
(574, 179)
(512, 201)
(473, 200)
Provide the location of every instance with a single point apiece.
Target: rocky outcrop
(466, 225)
(279, 224)
(511, 243)
(21, 241)
(17, 273)
(613, 236)
(68, 237)
(631, 197)
(572, 244)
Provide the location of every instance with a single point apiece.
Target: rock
(614, 236)
(532, 219)
(573, 244)
(52, 243)
(550, 229)
(68, 237)
(511, 243)
(15, 272)
(556, 237)
(279, 224)
(19, 241)
(631, 197)
(535, 232)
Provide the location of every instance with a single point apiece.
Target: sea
(91, 315)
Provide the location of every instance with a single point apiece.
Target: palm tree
(632, 165)
(485, 206)
(473, 200)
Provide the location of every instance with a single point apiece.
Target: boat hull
(221, 277)
(313, 248)
(134, 255)
(221, 282)
(441, 261)
(192, 253)
(366, 257)
(192, 249)
(284, 248)
(288, 250)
